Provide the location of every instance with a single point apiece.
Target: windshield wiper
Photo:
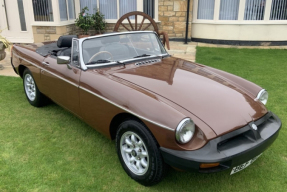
(143, 55)
(99, 61)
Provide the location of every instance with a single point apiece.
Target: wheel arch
(120, 118)
(21, 70)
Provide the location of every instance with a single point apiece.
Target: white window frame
(56, 14)
(139, 8)
(240, 15)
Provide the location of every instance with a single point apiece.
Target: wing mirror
(63, 60)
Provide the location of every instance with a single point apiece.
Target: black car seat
(65, 41)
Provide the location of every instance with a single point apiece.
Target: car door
(61, 81)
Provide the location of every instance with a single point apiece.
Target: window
(229, 10)
(254, 9)
(109, 7)
(64, 9)
(278, 10)
(91, 4)
(43, 10)
(205, 9)
(22, 15)
(148, 7)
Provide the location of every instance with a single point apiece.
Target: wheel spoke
(125, 27)
(133, 138)
(143, 154)
(128, 150)
(139, 144)
(141, 23)
(136, 22)
(132, 159)
(130, 23)
(147, 26)
(128, 142)
(138, 165)
(143, 162)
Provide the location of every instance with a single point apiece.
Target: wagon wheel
(139, 26)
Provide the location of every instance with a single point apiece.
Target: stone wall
(172, 14)
(52, 33)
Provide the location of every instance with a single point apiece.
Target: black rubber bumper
(229, 150)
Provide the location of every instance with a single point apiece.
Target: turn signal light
(208, 165)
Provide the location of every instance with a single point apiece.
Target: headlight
(262, 96)
(185, 131)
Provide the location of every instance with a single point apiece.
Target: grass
(49, 149)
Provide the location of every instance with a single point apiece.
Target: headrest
(65, 41)
(111, 39)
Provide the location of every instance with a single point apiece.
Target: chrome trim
(259, 94)
(43, 69)
(180, 125)
(85, 67)
(158, 124)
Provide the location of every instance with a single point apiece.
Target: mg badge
(254, 127)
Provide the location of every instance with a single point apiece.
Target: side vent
(148, 62)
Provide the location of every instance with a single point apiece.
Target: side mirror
(63, 60)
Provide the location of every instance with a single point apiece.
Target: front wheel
(139, 154)
(34, 96)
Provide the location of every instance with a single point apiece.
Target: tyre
(139, 154)
(34, 96)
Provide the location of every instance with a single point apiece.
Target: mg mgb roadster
(162, 111)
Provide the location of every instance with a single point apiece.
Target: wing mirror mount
(63, 60)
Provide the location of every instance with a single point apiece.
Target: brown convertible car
(160, 110)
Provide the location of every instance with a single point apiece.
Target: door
(15, 21)
(60, 82)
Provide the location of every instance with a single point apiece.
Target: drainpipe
(187, 20)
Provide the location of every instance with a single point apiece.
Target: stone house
(213, 21)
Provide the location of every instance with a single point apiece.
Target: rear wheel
(34, 96)
(139, 154)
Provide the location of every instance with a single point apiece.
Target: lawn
(49, 149)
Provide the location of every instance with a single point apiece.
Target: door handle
(45, 63)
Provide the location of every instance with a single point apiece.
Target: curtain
(43, 10)
(91, 4)
(71, 6)
(229, 10)
(254, 9)
(109, 8)
(205, 9)
(127, 6)
(278, 10)
(63, 10)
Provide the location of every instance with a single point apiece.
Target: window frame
(240, 20)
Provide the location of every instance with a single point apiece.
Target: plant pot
(83, 36)
(2, 55)
(2, 46)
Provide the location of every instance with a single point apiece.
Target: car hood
(215, 100)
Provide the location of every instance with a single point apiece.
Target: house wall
(172, 14)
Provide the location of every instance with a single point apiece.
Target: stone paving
(178, 49)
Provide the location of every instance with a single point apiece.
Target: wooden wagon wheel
(139, 26)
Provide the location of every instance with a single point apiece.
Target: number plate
(244, 165)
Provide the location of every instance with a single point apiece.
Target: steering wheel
(101, 52)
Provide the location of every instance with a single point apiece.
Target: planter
(2, 46)
(83, 36)
(2, 55)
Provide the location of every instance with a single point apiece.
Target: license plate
(244, 165)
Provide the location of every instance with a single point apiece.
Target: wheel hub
(134, 153)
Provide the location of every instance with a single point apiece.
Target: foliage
(5, 42)
(50, 149)
(99, 23)
(84, 21)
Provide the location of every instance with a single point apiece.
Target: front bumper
(229, 150)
